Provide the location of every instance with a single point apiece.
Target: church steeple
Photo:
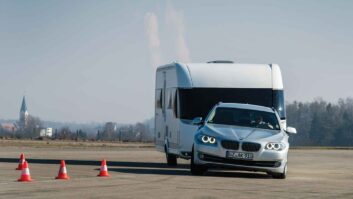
(23, 114)
(23, 106)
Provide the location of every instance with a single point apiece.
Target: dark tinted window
(244, 117)
(175, 107)
(278, 103)
(197, 102)
(158, 98)
(170, 99)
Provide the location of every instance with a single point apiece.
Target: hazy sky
(93, 60)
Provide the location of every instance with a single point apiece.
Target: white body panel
(223, 75)
(177, 134)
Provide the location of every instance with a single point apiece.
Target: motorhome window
(278, 103)
(170, 100)
(197, 102)
(175, 107)
(163, 99)
(158, 98)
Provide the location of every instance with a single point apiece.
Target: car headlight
(207, 139)
(275, 146)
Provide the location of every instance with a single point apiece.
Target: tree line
(318, 123)
(139, 132)
(321, 123)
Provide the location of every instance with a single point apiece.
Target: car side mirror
(291, 130)
(197, 121)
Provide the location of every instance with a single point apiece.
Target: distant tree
(140, 130)
(2, 132)
(322, 123)
(32, 128)
(81, 135)
(344, 134)
(109, 132)
(65, 133)
(98, 135)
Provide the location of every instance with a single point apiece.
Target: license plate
(239, 155)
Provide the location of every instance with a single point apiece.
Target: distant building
(9, 127)
(49, 132)
(23, 120)
(46, 132)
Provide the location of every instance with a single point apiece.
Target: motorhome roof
(220, 61)
(226, 75)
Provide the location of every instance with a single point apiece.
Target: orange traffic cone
(25, 175)
(20, 163)
(104, 169)
(62, 175)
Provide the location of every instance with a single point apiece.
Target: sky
(86, 61)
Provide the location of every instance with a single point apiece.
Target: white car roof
(246, 106)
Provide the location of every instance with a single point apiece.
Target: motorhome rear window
(197, 102)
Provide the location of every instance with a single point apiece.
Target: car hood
(242, 133)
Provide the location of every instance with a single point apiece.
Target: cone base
(103, 175)
(62, 178)
(24, 180)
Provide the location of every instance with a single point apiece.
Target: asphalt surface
(142, 173)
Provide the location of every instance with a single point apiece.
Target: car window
(244, 117)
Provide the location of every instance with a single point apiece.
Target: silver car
(243, 137)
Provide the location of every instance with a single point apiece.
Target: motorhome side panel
(166, 130)
(187, 132)
(159, 120)
(171, 120)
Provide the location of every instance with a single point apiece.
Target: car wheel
(196, 169)
(171, 158)
(282, 175)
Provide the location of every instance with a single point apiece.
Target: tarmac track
(142, 173)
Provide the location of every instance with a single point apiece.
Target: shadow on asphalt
(94, 162)
(143, 168)
(186, 172)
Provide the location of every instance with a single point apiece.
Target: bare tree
(322, 123)
(65, 133)
(32, 128)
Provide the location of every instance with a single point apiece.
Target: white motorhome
(188, 90)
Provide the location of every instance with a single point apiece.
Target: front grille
(229, 144)
(235, 162)
(249, 146)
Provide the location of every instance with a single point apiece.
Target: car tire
(196, 169)
(171, 158)
(282, 175)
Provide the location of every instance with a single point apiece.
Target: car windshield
(244, 117)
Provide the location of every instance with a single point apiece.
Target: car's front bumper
(263, 160)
